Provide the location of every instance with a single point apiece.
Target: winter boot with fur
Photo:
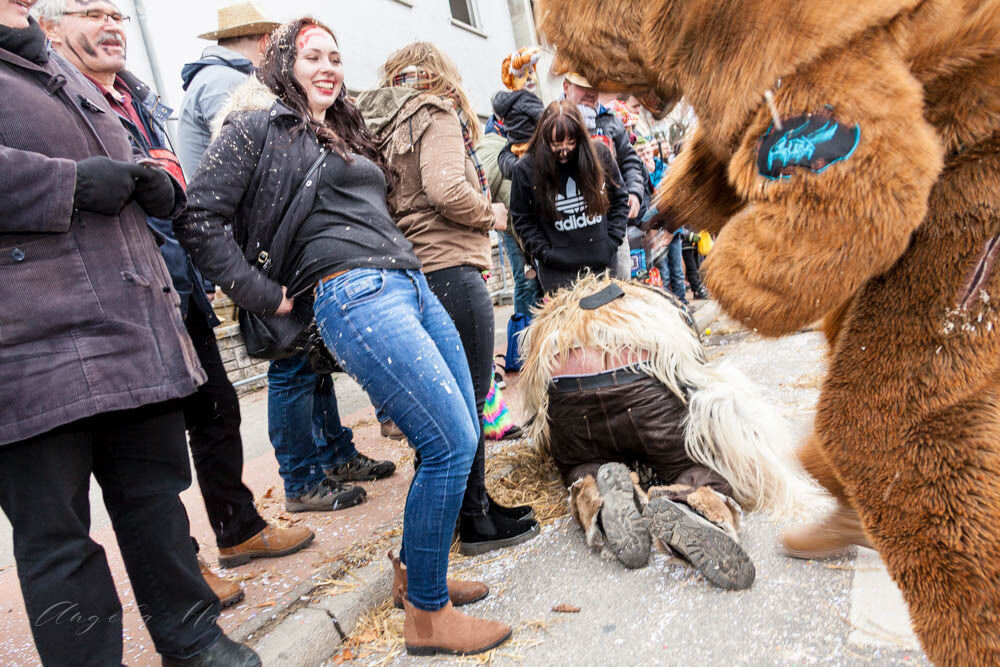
(707, 546)
(624, 533)
(828, 538)
(460, 592)
(449, 631)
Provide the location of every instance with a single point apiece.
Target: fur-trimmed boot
(460, 592)
(703, 531)
(606, 509)
(828, 538)
(840, 530)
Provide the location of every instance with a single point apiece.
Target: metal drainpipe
(154, 63)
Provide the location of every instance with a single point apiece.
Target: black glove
(103, 185)
(154, 190)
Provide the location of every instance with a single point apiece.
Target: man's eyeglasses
(100, 15)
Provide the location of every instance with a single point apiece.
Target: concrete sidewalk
(274, 586)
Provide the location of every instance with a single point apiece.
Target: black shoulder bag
(277, 336)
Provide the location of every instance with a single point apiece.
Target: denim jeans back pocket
(367, 284)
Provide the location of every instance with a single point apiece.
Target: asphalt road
(841, 612)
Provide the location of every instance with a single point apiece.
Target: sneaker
(327, 496)
(498, 379)
(486, 532)
(701, 293)
(391, 431)
(626, 535)
(361, 469)
(700, 542)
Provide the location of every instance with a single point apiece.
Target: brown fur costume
(894, 245)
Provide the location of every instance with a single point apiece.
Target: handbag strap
(264, 257)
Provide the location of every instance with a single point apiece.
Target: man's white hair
(50, 11)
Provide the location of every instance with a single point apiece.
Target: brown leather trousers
(640, 422)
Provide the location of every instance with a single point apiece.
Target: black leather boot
(223, 653)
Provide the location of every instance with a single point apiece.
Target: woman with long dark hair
(297, 156)
(568, 202)
(427, 129)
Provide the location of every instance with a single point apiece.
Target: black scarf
(29, 43)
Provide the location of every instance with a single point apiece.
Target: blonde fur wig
(729, 429)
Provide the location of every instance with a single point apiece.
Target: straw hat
(240, 20)
(578, 79)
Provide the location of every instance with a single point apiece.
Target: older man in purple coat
(93, 360)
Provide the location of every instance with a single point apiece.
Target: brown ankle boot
(828, 538)
(228, 592)
(271, 542)
(448, 630)
(460, 592)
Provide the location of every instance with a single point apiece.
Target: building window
(464, 11)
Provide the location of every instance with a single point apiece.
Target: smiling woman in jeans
(351, 266)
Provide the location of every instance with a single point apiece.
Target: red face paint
(307, 34)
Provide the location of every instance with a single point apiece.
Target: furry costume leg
(910, 416)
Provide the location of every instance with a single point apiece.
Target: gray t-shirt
(350, 226)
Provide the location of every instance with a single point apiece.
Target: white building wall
(367, 31)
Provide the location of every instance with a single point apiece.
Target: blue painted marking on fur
(812, 142)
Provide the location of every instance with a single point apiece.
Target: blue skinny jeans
(391, 334)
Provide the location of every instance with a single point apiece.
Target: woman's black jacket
(250, 179)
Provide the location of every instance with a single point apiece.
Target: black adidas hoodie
(577, 239)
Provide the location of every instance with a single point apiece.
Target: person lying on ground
(617, 379)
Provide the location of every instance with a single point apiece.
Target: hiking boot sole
(295, 506)
(713, 553)
(245, 557)
(476, 548)
(626, 534)
(432, 650)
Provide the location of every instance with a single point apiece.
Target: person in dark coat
(93, 361)
(567, 199)
(212, 414)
